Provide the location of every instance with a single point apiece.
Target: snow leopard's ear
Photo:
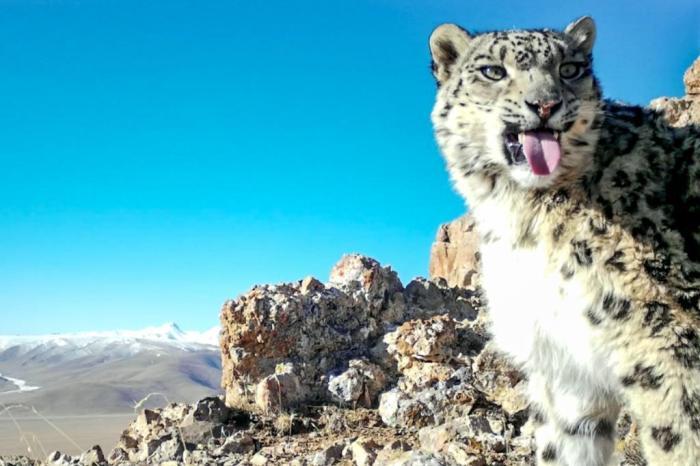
(447, 43)
(582, 31)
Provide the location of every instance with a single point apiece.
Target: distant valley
(107, 372)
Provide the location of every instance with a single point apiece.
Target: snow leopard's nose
(544, 108)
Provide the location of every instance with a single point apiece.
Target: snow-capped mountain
(169, 334)
(108, 372)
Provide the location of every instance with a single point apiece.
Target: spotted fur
(592, 273)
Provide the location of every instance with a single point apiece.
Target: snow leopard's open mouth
(540, 148)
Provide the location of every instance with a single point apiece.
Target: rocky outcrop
(415, 355)
(309, 342)
(685, 110)
(454, 254)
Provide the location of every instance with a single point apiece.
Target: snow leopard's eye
(493, 72)
(571, 70)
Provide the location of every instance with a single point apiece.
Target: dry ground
(85, 431)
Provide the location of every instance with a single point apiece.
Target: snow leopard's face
(515, 103)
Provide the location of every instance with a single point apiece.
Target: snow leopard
(588, 214)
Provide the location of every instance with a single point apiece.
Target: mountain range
(108, 372)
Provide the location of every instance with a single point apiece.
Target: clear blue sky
(157, 158)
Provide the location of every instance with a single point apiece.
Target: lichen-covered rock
(499, 381)
(279, 391)
(484, 435)
(178, 432)
(360, 384)
(434, 357)
(682, 111)
(315, 330)
(430, 340)
(366, 280)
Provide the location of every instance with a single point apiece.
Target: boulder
(454, 255)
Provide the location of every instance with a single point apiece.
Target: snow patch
(19, 383)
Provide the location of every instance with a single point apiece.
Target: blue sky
(160, 157)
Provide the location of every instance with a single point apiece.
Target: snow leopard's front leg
(661, 383)
(573, 428)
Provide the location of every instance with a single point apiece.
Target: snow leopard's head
(518, 103)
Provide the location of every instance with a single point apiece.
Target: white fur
(538, 319)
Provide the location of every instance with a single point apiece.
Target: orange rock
(454, 255)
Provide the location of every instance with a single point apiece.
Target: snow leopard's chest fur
(538, 317)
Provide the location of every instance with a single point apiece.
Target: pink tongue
(542, 150)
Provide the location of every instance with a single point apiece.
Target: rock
(328, 456)
(356, 273)
(208, 418)
(57, 458)
(364, 451)
(678, 112)
(434, 358)
(392, 452)
(280, 391)
(211, 409)
(359, 384)
(683, 111)
(183, 433)
(168, 447)
(310, 284)
(500, 382)
(18, 461)
(454, 256)
(315, 330)
(435, 297)
(375, 288)
(470, 440)
(147, 421)
(239, 443)
(389, 404)
(118, 455)
(434, 438)
(92, 457)
(259, 460)
(412, 458)
(423, 340)
(691, 78)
